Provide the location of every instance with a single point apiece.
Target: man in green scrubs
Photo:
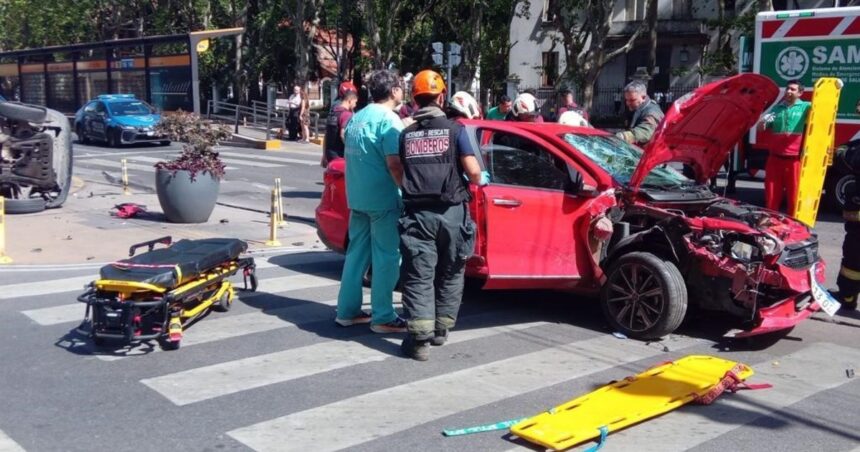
(372, 140)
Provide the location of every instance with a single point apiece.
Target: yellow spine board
(618, 405)
(817, 148)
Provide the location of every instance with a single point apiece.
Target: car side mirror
(576, 184)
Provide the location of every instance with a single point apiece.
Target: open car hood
(701, 128)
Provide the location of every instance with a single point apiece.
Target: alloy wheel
(635, 299)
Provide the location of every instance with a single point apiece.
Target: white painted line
(56, 315)
(238, 162)
(8, 444)
(270, 159)
(116, 165)
(359, 419)
(806, 372)
(100, 153)
(204, 383)
(37, 288)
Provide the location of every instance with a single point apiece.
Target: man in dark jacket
(645, 114)
(336, 125)
(436, 233)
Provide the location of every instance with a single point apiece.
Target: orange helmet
(427, 82)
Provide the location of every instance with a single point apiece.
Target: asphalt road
(276, 374)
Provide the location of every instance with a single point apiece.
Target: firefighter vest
(333, 142)
(432, 173)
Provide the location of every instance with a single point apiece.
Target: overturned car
(35, 157)
(577, 209)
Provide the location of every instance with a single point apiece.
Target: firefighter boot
(418, 350)
(439, 337)
(849, 302)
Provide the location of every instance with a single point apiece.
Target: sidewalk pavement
(84, 231)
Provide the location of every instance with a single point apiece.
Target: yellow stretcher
(627, 402)
(817, 148)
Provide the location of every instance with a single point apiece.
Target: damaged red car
(579, 210)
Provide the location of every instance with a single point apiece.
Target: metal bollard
(281, 221)
(4, 259)
(273, 221)
(125, 189)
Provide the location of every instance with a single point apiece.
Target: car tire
(62, 160)
(82, 136)
(22, 206)
(113, 138)
(165, 143)
(656, 315)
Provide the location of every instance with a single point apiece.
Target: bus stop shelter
(163, 70)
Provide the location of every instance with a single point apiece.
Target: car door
(98, 121)
(531, 220)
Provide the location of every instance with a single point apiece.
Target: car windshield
(619, 159)
(132, 108)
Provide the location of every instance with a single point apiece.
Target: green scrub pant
(373, 237)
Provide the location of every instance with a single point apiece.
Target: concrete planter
(184, 201)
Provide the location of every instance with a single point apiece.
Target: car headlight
(768, 245)
(129, 128)
(742, 251)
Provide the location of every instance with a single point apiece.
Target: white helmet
(573, 118)
(466, 105)
(525, 103)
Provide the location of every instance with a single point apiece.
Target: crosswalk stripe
(55, 315)
(798, 375)
(117, 165)
(238, 162)
(204, 383)
(54, 286)
(271, 159)
(369, 416)
(8, 444)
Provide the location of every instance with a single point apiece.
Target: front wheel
(644, 296)
(113, 139)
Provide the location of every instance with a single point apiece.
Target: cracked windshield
(620, 159)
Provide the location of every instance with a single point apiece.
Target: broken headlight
(768, 245)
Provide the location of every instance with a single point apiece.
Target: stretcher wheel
(253, 278)
(224, 303)
(98, 341)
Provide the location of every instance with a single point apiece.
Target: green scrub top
(789, 118)
(372, 134)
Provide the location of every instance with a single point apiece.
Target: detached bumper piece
(782, 315)
(157, 294)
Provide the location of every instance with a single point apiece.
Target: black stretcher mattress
(157, 267)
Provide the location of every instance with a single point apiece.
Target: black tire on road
(63, 157)
(224, 303)
(21, 206)
(644, 297)
(167, 344)
(82, 136)
(113, 138)
(165, 143)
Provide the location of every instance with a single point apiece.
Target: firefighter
(849, 274)
(786, 123)
(463, 105)
(525, 109)
(436, 233)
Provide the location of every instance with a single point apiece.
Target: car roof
(112, 98)
(545, 129)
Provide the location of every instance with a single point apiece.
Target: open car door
(528, 219)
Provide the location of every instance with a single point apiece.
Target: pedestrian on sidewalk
(436, 233)
(294, 104)
(305, 117)
(336, 126)
(372, 167)
(785, 123)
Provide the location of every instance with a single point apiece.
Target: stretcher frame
(172, 310)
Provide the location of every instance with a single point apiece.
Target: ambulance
(806, 45)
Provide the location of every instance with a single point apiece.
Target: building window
(548, 8)
(550, 69)
(635, 10)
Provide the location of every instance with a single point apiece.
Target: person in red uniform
(785, 123)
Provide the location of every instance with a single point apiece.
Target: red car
(579, 210)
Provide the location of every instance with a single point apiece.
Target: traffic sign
(437, 59)
(454, 60)
(454, 48)
(437, 47)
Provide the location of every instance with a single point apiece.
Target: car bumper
(130, 136)
(783, 315)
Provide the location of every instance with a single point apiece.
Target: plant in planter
(188, 185)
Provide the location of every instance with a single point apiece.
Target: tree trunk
(651, 17)
(765, 5)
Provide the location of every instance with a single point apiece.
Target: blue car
(118, 119)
